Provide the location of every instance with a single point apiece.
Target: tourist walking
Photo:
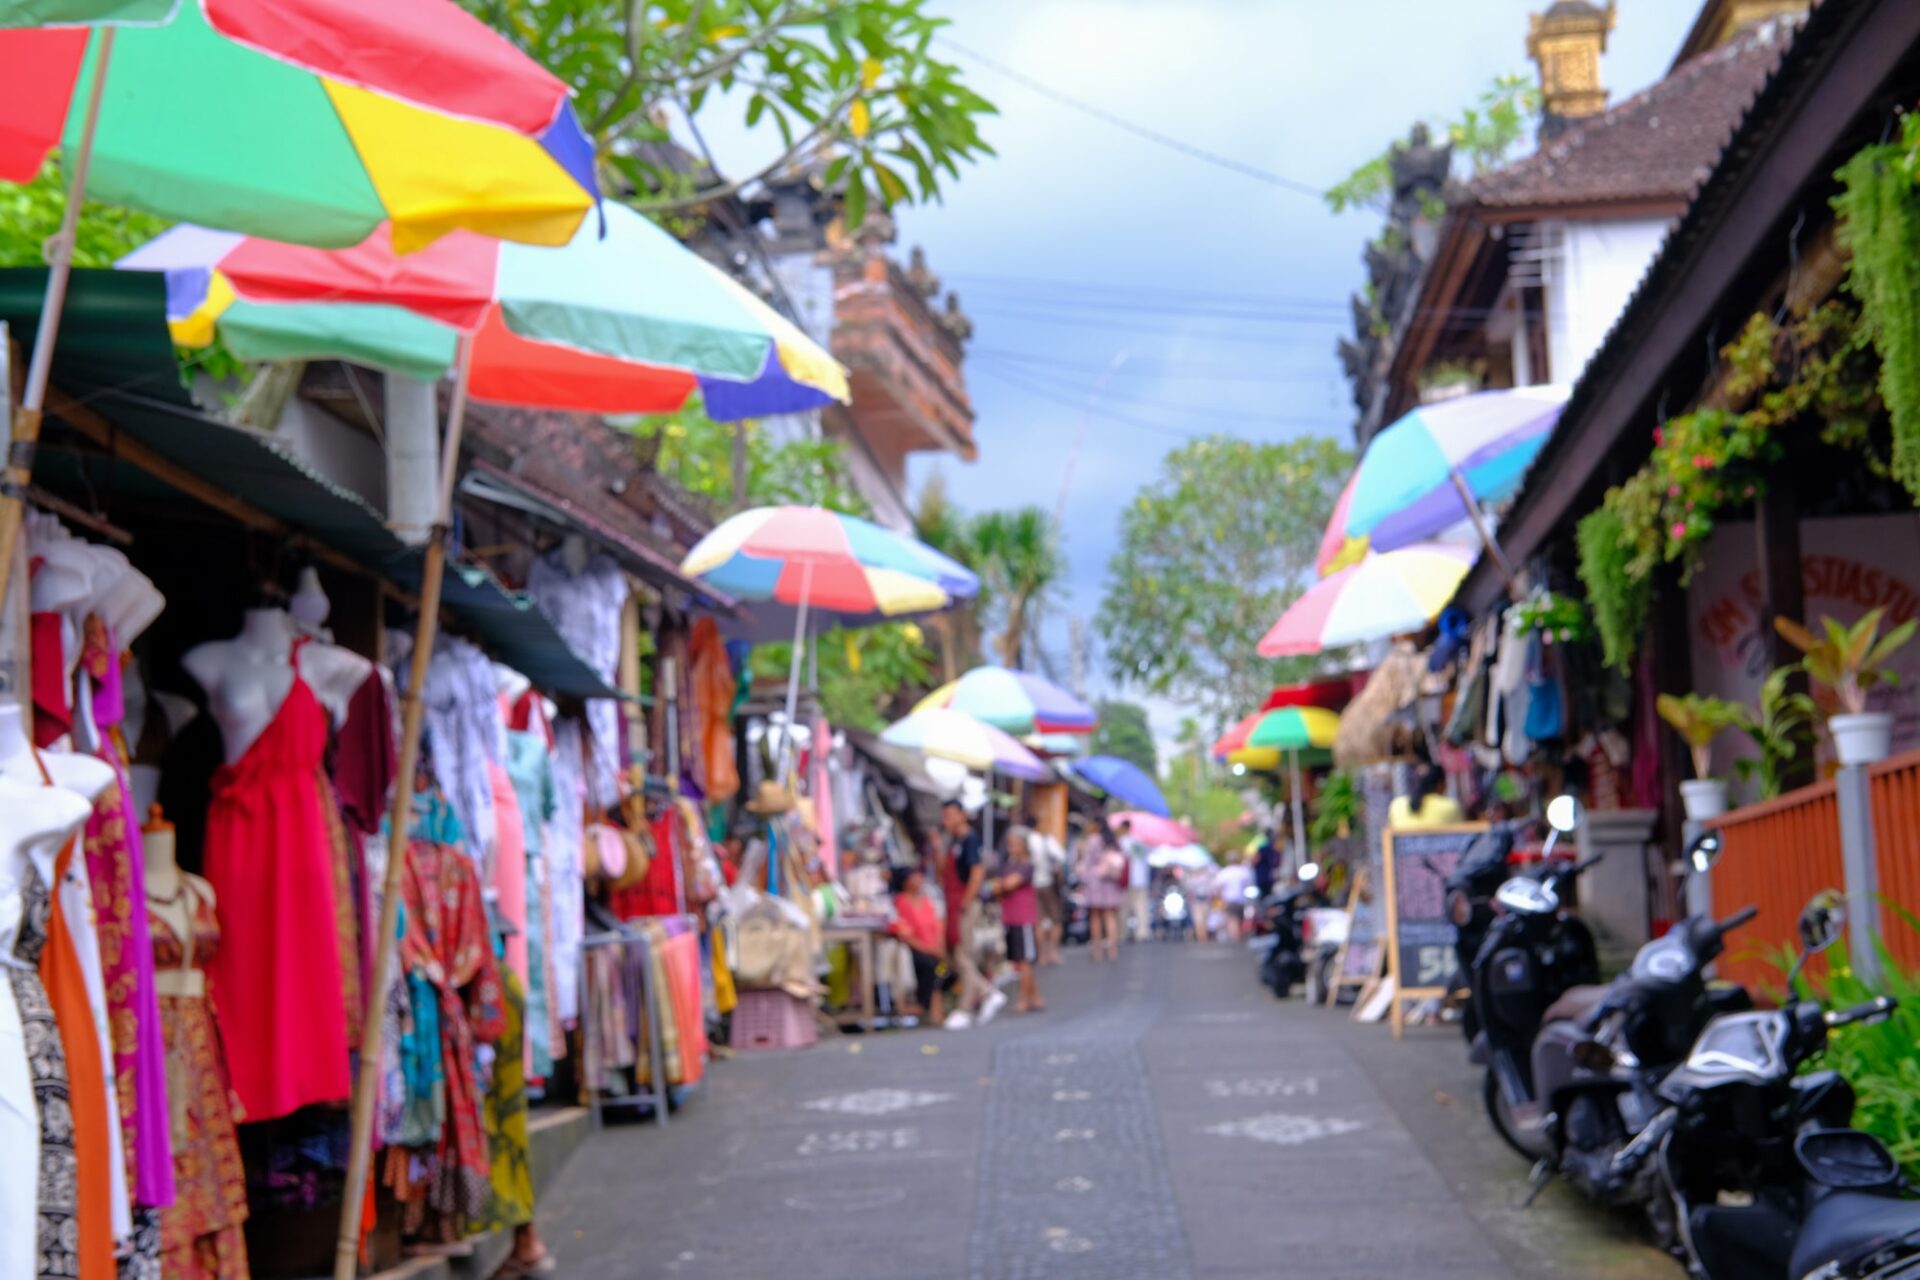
(1049, 885)
(967, 873)
(1102, 869)
(1020, 915)
(1139, 884)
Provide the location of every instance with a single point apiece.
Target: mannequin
(310, 605)
(82, 774)
(248, 677)
(165, 880)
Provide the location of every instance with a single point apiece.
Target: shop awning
(116, 359)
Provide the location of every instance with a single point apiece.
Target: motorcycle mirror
(1309, 871)
(1563, 813)
(1822, 922)
(1703, 852)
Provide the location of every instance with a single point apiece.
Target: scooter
(1278, 939)
(1603, 1051)
(1759, 1163)
(1528, 955)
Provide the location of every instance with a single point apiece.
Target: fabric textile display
(585, 609)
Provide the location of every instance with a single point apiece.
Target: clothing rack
(657, 1091)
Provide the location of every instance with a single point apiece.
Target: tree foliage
(696, 453)
(1211, 551)
(1483, 137)
(30, 214)
(1124, 732)
(1017, 554)
(854, 78)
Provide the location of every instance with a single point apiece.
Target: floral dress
(47, 1063)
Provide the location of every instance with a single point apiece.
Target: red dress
(270, 859)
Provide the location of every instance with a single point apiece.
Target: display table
(860, 936)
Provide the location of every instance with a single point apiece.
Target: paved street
(1164, 1119)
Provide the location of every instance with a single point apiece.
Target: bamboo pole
(366, 1087)
(27, 417)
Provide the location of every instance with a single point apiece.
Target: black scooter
(1278, 936)
(1764, 1175)
(1603, 1051)
(1529, 954)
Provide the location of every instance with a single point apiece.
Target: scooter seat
(1849, 1223)
(1576, 1005)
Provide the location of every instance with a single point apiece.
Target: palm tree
(946, 529)
(1019, 558)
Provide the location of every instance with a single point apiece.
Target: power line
(1172, 371)
(1119, 325)
(1152, 135)
(1068, 385)
(1017, 284)
(1040, 390)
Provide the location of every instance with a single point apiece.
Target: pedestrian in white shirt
(1139, 877)
(1049, 883)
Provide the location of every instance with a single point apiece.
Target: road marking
(877, 1102)
(1062, 1240)
(1061, 1059)
(1073, 1135)
(1076, 1184)
(1284, 1130)
(845, 1142)
(1071, 1095)
(1265, 1087)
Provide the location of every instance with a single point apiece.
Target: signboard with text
(1420, 937)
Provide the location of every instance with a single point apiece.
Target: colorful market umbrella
(1154, 830)
(1125, 781)
(1293, 730)
(1188, 857)
(315, 121)
(954, 735)
(1442, 462)
(1016, 701)
(810, 558)
(621, 319)
(1383, 595)
(1339, 548)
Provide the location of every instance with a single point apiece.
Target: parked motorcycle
(1762, 1174)
(1602, 1052)
(1529, 953)
(1323, 933)
(1278, 936)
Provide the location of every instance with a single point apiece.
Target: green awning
(115, 355)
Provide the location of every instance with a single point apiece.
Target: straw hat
(770, 798)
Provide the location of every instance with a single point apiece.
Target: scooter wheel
(1502, 1117)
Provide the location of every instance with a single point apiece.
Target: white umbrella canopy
(1190, 857)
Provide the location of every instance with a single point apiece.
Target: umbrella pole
(793, 670)
(360, 1154)
(1299, 823)
(1487, 539)
(26, 418)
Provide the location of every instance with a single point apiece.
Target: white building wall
(1588, 280)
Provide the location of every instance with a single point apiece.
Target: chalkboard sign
(1358, 964)
(1420, 937)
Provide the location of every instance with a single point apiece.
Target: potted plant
(1782, 730)
(1851, 661)
(1699, 720)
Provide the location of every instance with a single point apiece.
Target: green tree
(1124, 732)
(1019, 559)
(696, 453)
(1211, 551)
(30, 214)
(945, 528)
(853, 78)
(1483, 137)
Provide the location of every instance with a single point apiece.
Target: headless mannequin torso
(88, 777)
(248, 677)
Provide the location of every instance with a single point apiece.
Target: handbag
(1546, 719)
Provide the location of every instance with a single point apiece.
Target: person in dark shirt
(1266, 863)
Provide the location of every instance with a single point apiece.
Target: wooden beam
(89, 423)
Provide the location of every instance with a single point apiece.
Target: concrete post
(1859, 862)
(1613, 893)
(413, 458)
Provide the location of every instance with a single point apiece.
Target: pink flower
(1679, 529)
(1749, 492)
(1689, 504)
(1673, 491)
(1659, 436)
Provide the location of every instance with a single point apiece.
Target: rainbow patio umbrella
(1293, 730)
(954, 735)
(1441, 464)
(826, 563)
(315, 120)
(1385, 594)
(622, 319)
(1016, 701)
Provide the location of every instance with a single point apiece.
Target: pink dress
(277, 978)
(1102, 894)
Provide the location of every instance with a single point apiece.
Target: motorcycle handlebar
(1735, 920)
(1878, 1007)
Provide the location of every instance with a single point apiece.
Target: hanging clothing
(565, 866)
(89, 1231)
(712, 710)
(116, 870)
(466, 735)
(510, 869)
(52, 710)
(200, 1234)
(510, 1190)
(529, 764)
(365, 754)
(57, 1203)
(585, 609)
(271, 861)
(19, 1116)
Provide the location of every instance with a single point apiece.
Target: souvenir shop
(202, 664)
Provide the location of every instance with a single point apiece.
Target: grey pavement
(1166, 1119)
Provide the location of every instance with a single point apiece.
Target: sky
(1226, 294)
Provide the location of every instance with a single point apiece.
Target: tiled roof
(1657, 145)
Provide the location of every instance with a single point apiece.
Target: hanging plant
(1617, 598)
(1880, 224)
(1556, 618)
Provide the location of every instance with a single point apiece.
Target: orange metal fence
(1776, 855)
(1895, 787)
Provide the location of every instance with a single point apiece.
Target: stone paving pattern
(1165, 1119)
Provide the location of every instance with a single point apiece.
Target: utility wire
(1068, 385)
(1054, 287)
(1152, 135)
(1042, 391)
(1169, 370)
